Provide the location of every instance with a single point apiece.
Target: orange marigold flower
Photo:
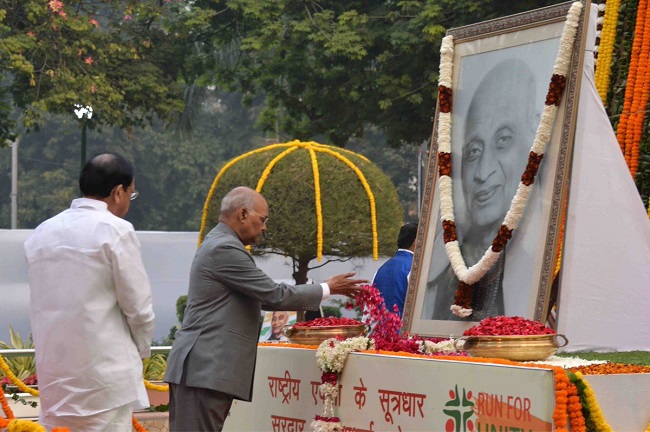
(89, 60)
(610, 369)
(137, 426)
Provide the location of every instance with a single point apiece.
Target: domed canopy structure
(323, 200)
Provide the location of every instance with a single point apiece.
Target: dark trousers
(194, 409)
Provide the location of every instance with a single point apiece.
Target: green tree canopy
(330, 68)
(112, 55)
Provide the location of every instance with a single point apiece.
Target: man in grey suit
(212, 360)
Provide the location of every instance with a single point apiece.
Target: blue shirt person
(392, 277)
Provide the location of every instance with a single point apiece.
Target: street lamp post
(83, 113)
(14, 184)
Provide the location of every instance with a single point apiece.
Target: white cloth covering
(115, 420)
(604, 302)
(91, 311)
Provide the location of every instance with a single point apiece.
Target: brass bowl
(316, 335)
(517, 348)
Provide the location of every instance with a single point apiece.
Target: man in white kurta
(91, 309)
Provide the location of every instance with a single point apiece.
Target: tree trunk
(300, 275)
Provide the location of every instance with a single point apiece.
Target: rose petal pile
(508, 326)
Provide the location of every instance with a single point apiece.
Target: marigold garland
(14, 379)
(560, 240)
(137, 426)
(562, 410)
(18, 425)
(576, 418)
(642, 88)
(204, 219)
(313, 148)
(595, 414)
(371, 198)
(319, 208)
(469, 276)
(567, 409)
(267, 172)
(156, 387)
(606, 48)
(28, 425)
(610, 369)
(630, 126)
(9, 414)
(560, 416)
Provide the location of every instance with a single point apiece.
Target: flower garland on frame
(469, 276)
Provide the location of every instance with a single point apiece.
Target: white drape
(604, 302)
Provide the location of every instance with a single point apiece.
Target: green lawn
(628, 357)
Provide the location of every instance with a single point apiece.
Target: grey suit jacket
(216, 346)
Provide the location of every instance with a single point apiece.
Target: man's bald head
(238, 197)
(246, 212)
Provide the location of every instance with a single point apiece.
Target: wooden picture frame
(501, 74)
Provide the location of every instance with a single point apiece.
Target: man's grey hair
(237, 198)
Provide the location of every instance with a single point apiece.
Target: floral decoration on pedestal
(330, 357)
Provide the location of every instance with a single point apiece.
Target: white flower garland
(330, 358)
(331, 353)
(473, 274)
(320, 425)
(443, 347)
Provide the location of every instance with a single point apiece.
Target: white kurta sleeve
(133, 291)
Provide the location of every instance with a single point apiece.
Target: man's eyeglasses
(132, 195)
(265, 219)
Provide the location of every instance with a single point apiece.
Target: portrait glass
(501, 74)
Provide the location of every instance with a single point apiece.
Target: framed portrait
(500, 77)
(272, 323)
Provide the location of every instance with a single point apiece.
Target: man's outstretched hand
(343, 285)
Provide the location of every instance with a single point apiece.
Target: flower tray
(314, 335)
(517, 348)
